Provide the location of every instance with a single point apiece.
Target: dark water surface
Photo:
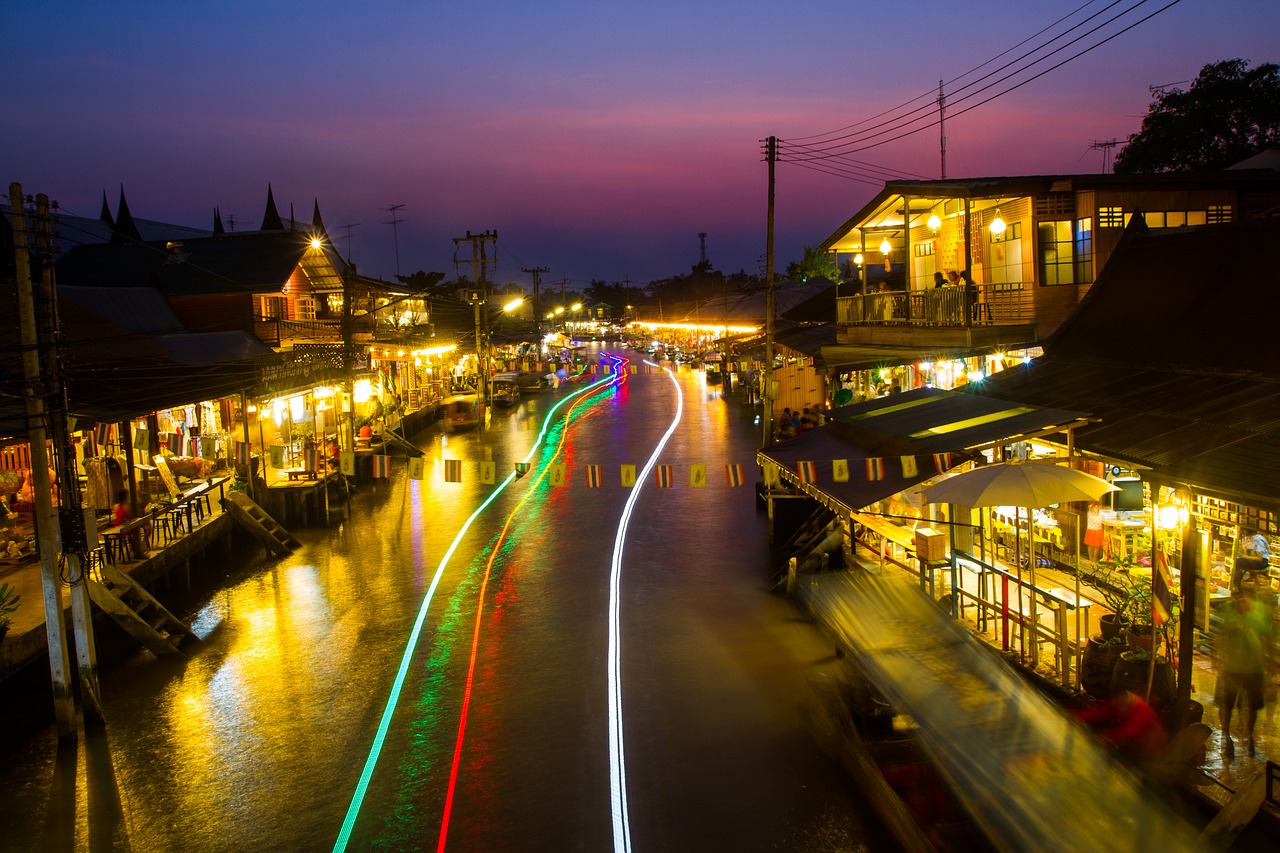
(262, 739)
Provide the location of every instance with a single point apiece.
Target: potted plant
(1141, 633)
(1114, 582)
(9, 600)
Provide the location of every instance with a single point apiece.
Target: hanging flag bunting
(698, 475)
(453, 470)
(381, 467)
(942, 461)
(557, 473)
(347, 462)
(628, 476)
(771, 475)
(875, 468)
(193, 446)
(174, 443)
(277, 456)
(909, 466)
(839, 470)
(242, 453)
(141, 439)
(522, 468)
(1161, 608)
(416, 468)
(734, 473)
(488, 472)
(806, 472)
(102, 434)
(311, 459)
(593, 476)
(662, 476)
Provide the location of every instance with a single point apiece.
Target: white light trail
(617, 751)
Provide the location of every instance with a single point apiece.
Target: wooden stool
(117, 547)
(178, 521)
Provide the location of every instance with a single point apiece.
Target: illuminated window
(1218, 213)
(1056, 261)
(1084, 250)
(1111, 217)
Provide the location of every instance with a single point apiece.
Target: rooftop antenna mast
(395, 232)
(1105, 146)
(702, 242)
(348, 228)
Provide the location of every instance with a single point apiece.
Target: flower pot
(1097, 664)
(1141, 639)
(1131, 674)
(1112, 626)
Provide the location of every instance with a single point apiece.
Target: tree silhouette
(1230, 113)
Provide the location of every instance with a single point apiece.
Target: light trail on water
(384, 724)
(617, 747)
(480, 599)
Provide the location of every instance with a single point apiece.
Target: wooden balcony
(990, 314)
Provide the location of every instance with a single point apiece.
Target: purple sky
(598, 139)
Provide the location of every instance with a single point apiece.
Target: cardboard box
(931, 545)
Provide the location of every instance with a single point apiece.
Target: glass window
(1055, 253)
(1111, 217)
(1084, 250)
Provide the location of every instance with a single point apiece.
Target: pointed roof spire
(105, 215)
(270, 218)
(317, 224)
(124, 231)
(217, 223)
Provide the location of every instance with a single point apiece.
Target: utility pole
(46, 532)
(942, 128)
(766, 391)
(479, 297)
(395, 232)
(71, 514)
(536, 272)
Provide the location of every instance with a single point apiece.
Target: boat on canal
(506, 390)
(460, 412)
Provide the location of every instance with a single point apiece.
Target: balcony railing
(1001, 304)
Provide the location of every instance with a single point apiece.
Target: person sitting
(939, 280)
(120, 512)
(1254, 556)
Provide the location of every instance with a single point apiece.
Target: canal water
(424, 675)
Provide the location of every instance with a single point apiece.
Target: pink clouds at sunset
(597, 140)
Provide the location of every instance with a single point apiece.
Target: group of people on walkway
(790, 423)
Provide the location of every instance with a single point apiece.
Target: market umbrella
(1022, 484)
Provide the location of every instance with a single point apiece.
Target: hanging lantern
(997, 225)
(934, 222)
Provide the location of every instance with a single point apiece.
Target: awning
(912, 437)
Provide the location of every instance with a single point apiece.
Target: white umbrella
(1022, 484)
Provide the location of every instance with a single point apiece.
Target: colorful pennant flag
(141, 439)
(734, 473)
(698, 475)
(242, 453)
(208, 447)
(311, 459)
(102, 434)
(522, 468)
(839, 470)
(805, 471)
(381, 467)
(909, 468)
(942, 461)
(557, 473)
(347, 462)
(662, 476)
(174, 443)
(594, 477)
(453, 470)
(875, 468)
(627, 475)
(771, 475)
(417, 469)
(277, 455)
(1161, 608)
(488, 472)
(193, 446)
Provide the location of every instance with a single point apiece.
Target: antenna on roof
(395, 233)
(348, 228)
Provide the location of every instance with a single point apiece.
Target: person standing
(1244, 645)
